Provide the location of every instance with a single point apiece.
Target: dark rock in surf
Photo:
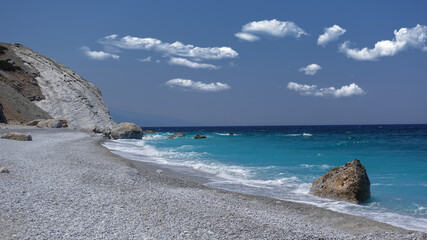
(199, 137)
(348, 183)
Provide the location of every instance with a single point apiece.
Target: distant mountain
(34, 86)
(148, 120)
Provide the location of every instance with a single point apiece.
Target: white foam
(307, 135)
(322, 166)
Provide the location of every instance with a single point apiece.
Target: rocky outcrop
(199, 137)
(348, 183)
(127, 131)
(50, 87)
(2, 117)
(17, 136)
(51, 123)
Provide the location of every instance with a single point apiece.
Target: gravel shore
(65, 185)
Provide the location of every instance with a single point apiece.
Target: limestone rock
(348, 183)
(65, 95)
(34, 122)
(4, 170)
(199, 137)
(49, 123)
(178, 134)
(17, 136)
(149, 131)
(126, 130)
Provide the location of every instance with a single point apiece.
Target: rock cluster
(348, 183)
(126, 130)
(48, 123)
(17, 136)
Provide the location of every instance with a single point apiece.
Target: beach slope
(65, 185)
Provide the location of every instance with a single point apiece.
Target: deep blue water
(283, 161)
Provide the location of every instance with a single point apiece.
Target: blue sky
(239, 62)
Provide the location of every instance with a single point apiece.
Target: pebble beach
(65, 185)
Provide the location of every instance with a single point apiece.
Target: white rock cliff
(68, 96)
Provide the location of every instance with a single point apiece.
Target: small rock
(126, 131)
(149, 131)
(159, 171)
(348, 183)
(106, 136)
(171, 137)
(199, 137)
(17, 136)
(4, 170)
(231, 134)
(178, 134)
(64, 123)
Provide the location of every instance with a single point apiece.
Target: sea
(283, 161)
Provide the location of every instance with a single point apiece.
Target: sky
(212, 63)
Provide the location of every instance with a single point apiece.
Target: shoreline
(82, 190)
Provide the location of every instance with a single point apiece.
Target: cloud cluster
(169, 49)
(312, 90)
(252, 31)
(198, 86)
(311, 69)
(99, 55)
(405, 38)
(330, 34)
(187, 63)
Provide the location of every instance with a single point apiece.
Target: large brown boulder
(348, 183)
(17, 136)
(126, 130)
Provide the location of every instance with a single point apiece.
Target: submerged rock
(348, 183)
(149, 131)
(17, 136)
(178, 134)
(199, 137)
(126, 131)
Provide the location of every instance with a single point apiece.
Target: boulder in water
(126, 131)
(199, 137)
(348, 183)
(149, 131)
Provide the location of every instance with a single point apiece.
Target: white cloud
(331, 34)
(191, 64)
(415, 37)
(247, 37)
(169, 49)
(147, 59)
(99, 55)
(198, 86)
(311, 69)
(272, 28)
(312, 90)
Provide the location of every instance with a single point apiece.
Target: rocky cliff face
(50, 88)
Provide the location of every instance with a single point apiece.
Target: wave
(225, 134)
(297, 135)
(323, 166)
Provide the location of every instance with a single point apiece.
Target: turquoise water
(282, 162)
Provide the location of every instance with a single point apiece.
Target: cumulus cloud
(311, 69)
(169, 49)
(274, 28)
(198, 86)
(330, 34)
(247, 37)
(405, 38)
(191, 64)
(147, 59)
(99, 55)
(312, 90)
